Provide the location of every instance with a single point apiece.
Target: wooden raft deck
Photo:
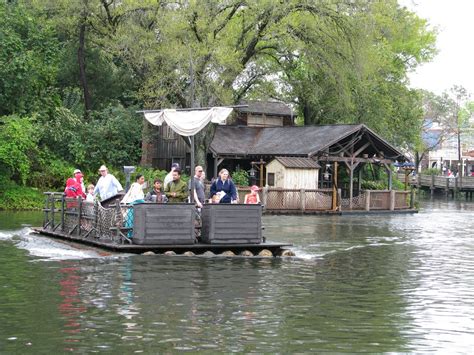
(197, 248)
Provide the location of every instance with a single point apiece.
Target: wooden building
(349, 147)
(292, 173)
(264, 114)
(165, 147)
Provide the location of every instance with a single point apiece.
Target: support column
(334, 187)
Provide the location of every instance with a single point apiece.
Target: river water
(376, 283)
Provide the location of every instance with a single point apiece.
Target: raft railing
(83, 219)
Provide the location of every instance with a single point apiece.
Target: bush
(15, 197)
(240, 177)
(431, 171)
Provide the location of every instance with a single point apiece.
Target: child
(252, 197)
(90, 193)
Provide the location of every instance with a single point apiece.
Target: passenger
(90, 197)
(156, 194)
(253, 197)
(133, 196)
(223, 189)
(135, 193)
(79, 177)
(108, 185)
(169, 176)
(199, 194)
(72, 189)
(176, 190)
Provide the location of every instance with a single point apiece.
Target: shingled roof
(302, 141)
(266, 108)
(298, 163)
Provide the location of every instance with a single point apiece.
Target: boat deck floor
(178, 248)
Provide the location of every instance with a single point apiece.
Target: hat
(255, 188)
(102, 168)
(77, 171)
(175, 166)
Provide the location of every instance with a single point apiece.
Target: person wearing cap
(108, 185)
(169, 176)
(199, 194)
(253, 197)
(80, 180)
(176, 190)
(156, 194)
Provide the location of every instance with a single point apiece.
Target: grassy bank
(15, 197)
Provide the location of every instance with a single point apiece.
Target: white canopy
(188, 123)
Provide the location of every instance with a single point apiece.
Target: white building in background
(446, 156)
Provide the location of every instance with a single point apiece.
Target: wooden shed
(293, 173)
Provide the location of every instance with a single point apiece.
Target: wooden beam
(358, 160)
(361, 149)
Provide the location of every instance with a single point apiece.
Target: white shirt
(168, 179)
(107, 186)
(135, 193)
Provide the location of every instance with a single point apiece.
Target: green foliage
(241, 177)
(18, 138)
(374, 185)
(13, 197)
(111, 137)
(29, 59)
(431, 171)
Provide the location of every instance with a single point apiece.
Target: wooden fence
(301, 200)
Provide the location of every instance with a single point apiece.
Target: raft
(157, 228)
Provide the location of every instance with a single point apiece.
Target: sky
(454, 64)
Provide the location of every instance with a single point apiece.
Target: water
(377, 283)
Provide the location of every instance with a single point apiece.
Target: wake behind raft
(161, 228)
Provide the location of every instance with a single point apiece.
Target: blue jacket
(227, 186)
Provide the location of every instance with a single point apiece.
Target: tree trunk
(82, 68)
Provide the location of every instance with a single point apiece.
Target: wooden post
(351, 185)
(392, 200)
(261, 172)
(53, 206)
(412, 198)
(302, 200)
(359, 181)
(447, 187)
(62, 213)
(265, 197)
(367, 200)
(334, 187)
(432, 184)
(79, 211)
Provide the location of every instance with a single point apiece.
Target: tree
(445, 116)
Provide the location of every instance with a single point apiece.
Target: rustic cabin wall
(301, 179)
(168, 148)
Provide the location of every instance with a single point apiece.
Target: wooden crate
(170, 223)
(231, 224)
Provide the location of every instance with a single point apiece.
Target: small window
(271, 179)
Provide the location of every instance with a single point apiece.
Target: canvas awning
(188, 123)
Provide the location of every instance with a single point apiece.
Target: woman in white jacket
(136, 190)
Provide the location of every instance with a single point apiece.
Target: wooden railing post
(265, 197)
(412, 198)
(367, 200)
(432, 187)
(392, 200)
(79, 211)
(302, 200)
(63, 204)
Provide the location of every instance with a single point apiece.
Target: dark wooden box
(231, 224)
(170, 223)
